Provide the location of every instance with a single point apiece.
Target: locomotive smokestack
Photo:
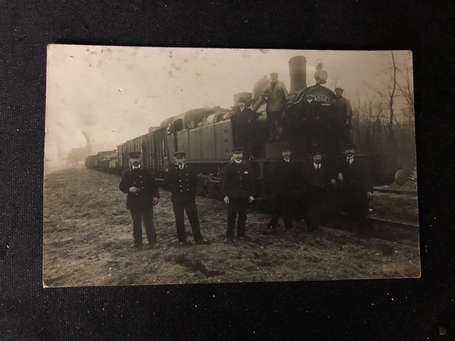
(297, 73)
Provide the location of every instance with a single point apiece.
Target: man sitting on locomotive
(276, 96)
(143, 194)
(355, 186)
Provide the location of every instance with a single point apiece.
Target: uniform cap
(286, 148)
(180, 154)
(316, 150)
(350, 146)
(237, 150)
(134, 155)
(338, 88)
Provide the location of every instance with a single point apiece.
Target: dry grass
(88, 238)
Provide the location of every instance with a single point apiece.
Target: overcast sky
(116, 93)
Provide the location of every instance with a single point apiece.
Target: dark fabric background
(352, 310)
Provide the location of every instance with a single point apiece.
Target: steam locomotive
(208, 135)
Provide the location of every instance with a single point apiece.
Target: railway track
(396, 191)
(381, 228)
(394, 223)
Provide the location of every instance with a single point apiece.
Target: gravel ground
(88, 239)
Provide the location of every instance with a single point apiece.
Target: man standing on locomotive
(238, 188)
(355, 185)
(181, 180)
(343, 121)
(318, 185)
(143, 194)
(285, 190)
(276, 97)
(245, 125)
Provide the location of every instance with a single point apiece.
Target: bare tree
(391, 93)
(405, 87)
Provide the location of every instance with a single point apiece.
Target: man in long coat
(181, 180)
(285, 190)
(238, 188)
(355, 186)
(318, 185)
(142, 195)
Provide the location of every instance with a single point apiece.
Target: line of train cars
(207, 136)
(204, 134)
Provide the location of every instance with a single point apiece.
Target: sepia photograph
(204, 165)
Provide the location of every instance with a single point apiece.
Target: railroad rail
(395, 191)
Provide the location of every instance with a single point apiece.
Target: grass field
(88, 238)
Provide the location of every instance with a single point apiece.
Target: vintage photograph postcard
(201, 165)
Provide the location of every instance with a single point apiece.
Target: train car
(155, 151)
(104, 160)
(90, 162)
(132, 145)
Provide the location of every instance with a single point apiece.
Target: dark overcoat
(246, 128)
(355, 186)
(239, 180)
(182, 183)
(316, 182)
(287, 179)
(145, 181)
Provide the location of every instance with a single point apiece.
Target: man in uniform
(238, 187)
(355, 185)
(343, 124)
(285, 191)
(181, 180)
(276, 97)
(318, 185)
(143, 194)
(245, 123)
